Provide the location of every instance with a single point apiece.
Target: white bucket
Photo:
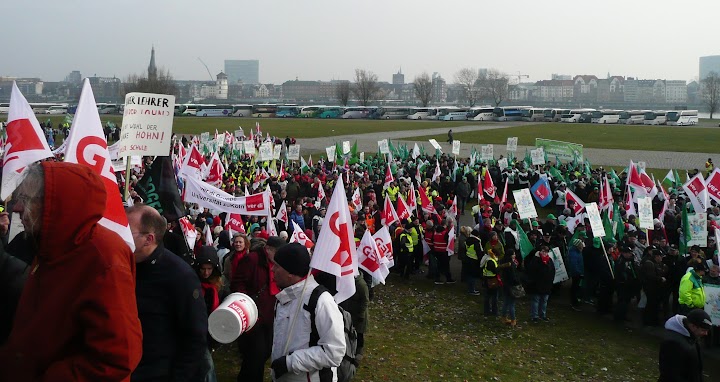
(236, 315)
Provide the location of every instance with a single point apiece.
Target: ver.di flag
(87, 146)
(403, 210)
(335, 251)
(357, 199)
(370, 259)
(388, 215)
(384, 244)
(25, 142)
(697, 193)
(541, 192)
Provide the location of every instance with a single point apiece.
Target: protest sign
(456, 147)
(147, 125)
(560, 270)
(435, 144)
(294, 152)
(645, 212)
(524, 202)
(712, 302)
(383, 146)
(346, 147)
(503, 163)
(239, 134)
(512, 144)
(249, 147)
(211, 197)
(595, 221)
(565, 151)
(487, 153)
(330, 151)
(698, 229)
(537, 156)
(277, 150)
(266, 151)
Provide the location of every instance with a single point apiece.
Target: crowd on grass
(503, 257)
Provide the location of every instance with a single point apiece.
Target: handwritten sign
(147, 125)
(294, 152)
(512, 144)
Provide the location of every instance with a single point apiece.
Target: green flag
(609, 234)
(303, 165)
(615, 177)
(354, 151)
(617, 221)
(686, 234)
(676, 176)
(525, 245)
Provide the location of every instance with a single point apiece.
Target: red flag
(451, 242)
(87, 146)
(193, 164)
(403, 211)
(453, 210)
(384, 245)
(489, 186)
(641, 181)
(335, 251)
(425, 203)
(25, 142)
(388, 215)
(505, 190)
(388, 177)
(215, 171)
(411, 199)
(235, 223)
(357, 199)
(282, 214)
(579, 204)
(480, 192)
(189, 231)
(370, 258)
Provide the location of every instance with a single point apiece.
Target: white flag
(384, 244)
(370, 259)
(299, 236)
(87, 146)
(696, 190)
(335, 251)
(357, 199)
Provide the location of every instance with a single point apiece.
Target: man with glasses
(171, 308)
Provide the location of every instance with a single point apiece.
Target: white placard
(220, 140)
(266, 151)
(238, 146)
(512, 144)
(346, 147)
(239, 133)
(456, 147)
(503, 163)
(487, 152)
(712, 302)
(525, 205)
(435, 144)
(362, 157)
(383, 145)
(204, 137)
(538, 156)
(294, 152)
(249, 147)
(277, 150)
(120, 164)
(147, 125)
(645, 212)
(560, 270)
(595, 220)
(698, 229)
(330, 151)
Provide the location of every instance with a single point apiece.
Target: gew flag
(541, 192)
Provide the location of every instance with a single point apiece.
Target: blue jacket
(298, 218)
(575, 266)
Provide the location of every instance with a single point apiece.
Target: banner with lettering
(207, 196)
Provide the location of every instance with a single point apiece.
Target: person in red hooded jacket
(77, 318)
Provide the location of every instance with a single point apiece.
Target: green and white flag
(303, 165)
(669, 180)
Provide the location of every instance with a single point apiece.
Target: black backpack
(348, 366)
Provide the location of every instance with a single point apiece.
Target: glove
(279, 367)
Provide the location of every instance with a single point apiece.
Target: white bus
(632, 117)
(242, 110)
(311, 111)
(554, 115)
(481, 113)
(191, 108)
(456, 115)
(57, 110)
(396, 112)
(682, 117)
(533, 115)
(605, 116)
(509, 113)
(441, 112)
(656, 117)
(214, 111)
(358, 112)
(573, 116)
(420, 113)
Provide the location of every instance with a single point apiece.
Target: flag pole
(612, 273)
(128, 168)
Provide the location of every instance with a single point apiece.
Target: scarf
(206, 286)
(544, 258)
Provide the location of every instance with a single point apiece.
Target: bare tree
(495, 86)
(423, 88)
(366, 86)
(711, 92)
(163, 84)
(342, 92)
(467, 78)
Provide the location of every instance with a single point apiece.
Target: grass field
(295, 127)
(623, 137)
(423, 332)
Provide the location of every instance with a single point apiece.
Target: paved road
(603, 157)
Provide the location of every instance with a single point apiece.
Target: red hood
(74, 197)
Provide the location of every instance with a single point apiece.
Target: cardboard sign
(456, 147)
(249, 147)
(512, 144)
(277, 150)
(538, 157)
(266, 152)
(525, 205)
(595, 220)
(330, 151)
(487, 153)
(346, 147)
(239, 133)
(698, 229)
(503, 163)
(294, 152)
(362, 157)
(712, 302)
(435, 144)
(147, 125)
(560, 270)
(383, 146)
(645, 212)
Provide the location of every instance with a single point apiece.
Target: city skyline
(325, 40)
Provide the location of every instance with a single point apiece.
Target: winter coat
(303, 362)
(252, 277)
(13, 273)
(540, 276)
(651, 274)
(575, 265)
(357, 305)
(77, 318)
(692, 292)
(680, 356)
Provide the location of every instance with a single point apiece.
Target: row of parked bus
(447, 113)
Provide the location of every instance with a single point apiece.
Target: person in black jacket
(540, 272)
(680, 357)
(654, 277)
(627, 281)
(12, 276)
(170, 306)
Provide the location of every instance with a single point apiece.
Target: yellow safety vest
(409, 245)
(393, 192)
(471, 253)
(486, 272)
(415, 235)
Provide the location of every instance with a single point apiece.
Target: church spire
(152, 69)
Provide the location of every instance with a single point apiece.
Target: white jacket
(304, 362)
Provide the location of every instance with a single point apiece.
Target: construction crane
(521, 76)
(208, 69)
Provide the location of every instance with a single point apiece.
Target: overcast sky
(328, 39)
